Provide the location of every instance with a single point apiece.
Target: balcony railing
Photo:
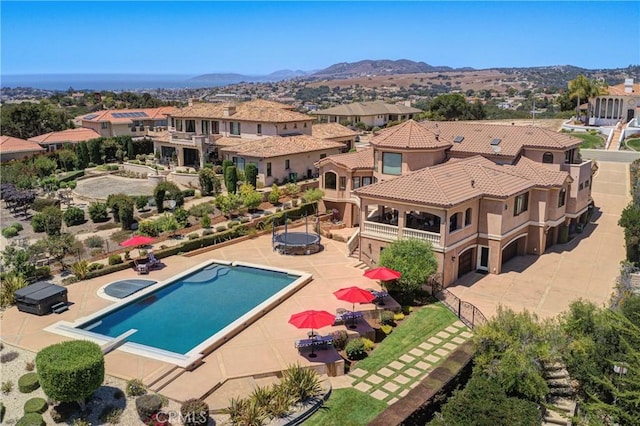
(392, 233)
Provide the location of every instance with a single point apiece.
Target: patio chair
(153, 260)
(141, 266)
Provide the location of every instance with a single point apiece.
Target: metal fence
(468, 313)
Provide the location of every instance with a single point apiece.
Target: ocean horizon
(98, 82)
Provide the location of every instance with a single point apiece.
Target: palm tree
(585, 88)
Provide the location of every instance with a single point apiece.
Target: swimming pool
(193, 312)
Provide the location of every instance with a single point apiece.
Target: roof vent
(496, 142)
(458, 139)
(473, 183)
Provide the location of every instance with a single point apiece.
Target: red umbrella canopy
(354, 295)
(137, 240)
(312, 319)
(383, 274)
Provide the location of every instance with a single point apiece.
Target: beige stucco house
(197, 131)
(372, 114)
(480, 193)
(16, 149)
(56, 140)
(335, 132)
(127, 122)
(620, 103)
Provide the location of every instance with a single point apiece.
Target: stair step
(557, 374)
(59, 308)
(556, 418)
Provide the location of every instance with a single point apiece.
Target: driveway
(586, 267)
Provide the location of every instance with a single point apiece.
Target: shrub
(73, 216)
(49, 221)
(339, 339)
(301, 383)
(193, 236)
(29, 365)
(398, 317)
(63, 411)
(98, 212)
(70, 371)
(6, 387)
(233, 223)
(35, 405)
(189, 192)
(8, 356)
(201, 209)
(28, 383)
(207, 232)
(31, 419)
(148, 405)
(135, 387)
(39, 204)
(95, 266)
(386, 318)
(8, 287)
(18, 226)
(94, 241)
(368, 344)
(386, 329)
(141, 202)
(42, 272)
(195, 412)
(355, 349)
(9, 232)
(80, 269)
(115, 259)
(205, 221)
(150, 228)
(275, 194)
(221, 228)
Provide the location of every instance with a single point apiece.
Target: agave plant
(254, 414)
(301, 383)
(281, 402)
(80, 269)
(262, 395)
(8, 286)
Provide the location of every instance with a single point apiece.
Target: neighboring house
(56, 140)
(480, 193)
(372, 114)
(127, 122)
(194, 130)
(335, 132)
(621, 103)
(282, 158)
(16, 149)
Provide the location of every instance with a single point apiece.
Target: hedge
(31, 419)
(40, 203)
(70, 371)
(28, 383)
(35, 405)
(71, 176)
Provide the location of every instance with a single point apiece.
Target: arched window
(547, 157)
(467, 217)
(330, 180)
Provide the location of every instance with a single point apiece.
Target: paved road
(586, 267)
(610, 156)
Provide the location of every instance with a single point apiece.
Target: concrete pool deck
(264, 347)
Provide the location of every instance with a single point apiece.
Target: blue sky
(174, 37)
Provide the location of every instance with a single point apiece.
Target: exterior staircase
(561, 403)
(613, 146)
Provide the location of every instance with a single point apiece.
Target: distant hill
(233, 78)
(379, 67)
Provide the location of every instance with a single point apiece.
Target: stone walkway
(394, 381)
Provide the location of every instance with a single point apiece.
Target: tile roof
(108, 115)
(409, 135)
(331, 130)
(452, 183)
(478, 137)
(265, 103)
(353, 160)
(368, 108)
(618, 90)
(276, 146)
(224, 141)
(70, 135)
(244, 112)
(9, 144)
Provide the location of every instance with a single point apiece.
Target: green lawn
(347, 407)
(590, 141)
(633, 143)
(415, 329)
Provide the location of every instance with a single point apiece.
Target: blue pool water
(183, 314)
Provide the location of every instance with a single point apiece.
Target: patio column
(180, 157)
(401, 221)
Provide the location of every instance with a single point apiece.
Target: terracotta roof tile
(368, 108)
(9, 144)
(478, 137)
(618, 90)
(276, 146)
(353, 160)
(409, 135)
(454, 182)
(331, 130)
(244, 112)
(70, 135)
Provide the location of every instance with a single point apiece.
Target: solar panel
(117, 115)
(90, 116)
(496, 141)
(458, 139)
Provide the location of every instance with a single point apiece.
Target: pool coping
(192, 358)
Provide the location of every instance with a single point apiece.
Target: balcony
(386, 232)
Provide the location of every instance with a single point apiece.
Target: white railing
(380, 230)
(353, 241)
(431, 237)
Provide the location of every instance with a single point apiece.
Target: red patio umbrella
(312, 319)
(354, 295)
(383, 274)
(137, 241)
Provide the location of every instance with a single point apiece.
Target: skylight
(90, 116)
(458, 139)
(496, 141)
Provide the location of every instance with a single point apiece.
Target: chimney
(228, 110)
(193, 101)
(628, 85)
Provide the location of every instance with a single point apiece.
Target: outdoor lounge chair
(346, 316)
(317, 342)
(141, 266)
(153, 260)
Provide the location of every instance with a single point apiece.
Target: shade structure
(137, 240)
(354, 295)
(312, 319)
(383, 274)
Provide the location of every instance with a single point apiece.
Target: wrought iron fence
(468, 313)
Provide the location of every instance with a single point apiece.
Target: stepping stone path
(393, 382)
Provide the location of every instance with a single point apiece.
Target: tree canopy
(414, 259)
